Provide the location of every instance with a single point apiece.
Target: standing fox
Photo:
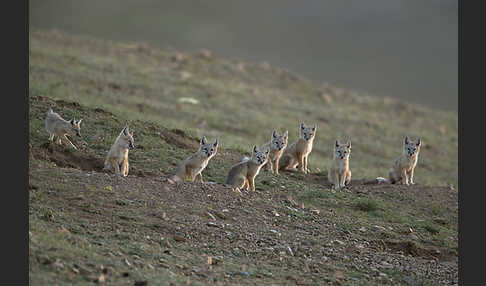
(242, 175)
(276, 145)
(192, 167)
(298, 152)
(57, 126)
(117, 157)
(339, 173)
(402, 170)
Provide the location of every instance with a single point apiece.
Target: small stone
(412, 236)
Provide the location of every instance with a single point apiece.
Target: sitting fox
(402, 170)
(277, 145)
(339, 173)
(242, 175)
(57, 126)
(191, 168)
(298, 152)
(117, 158)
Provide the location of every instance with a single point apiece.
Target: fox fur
(117, 157)
(242, 175)
(339, 174)
(402, 170)
(191, 168)
(298, 152)
(277, 145)
(57, 126)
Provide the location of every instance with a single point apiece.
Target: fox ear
(419, 142)
(274, 134)
(314, 127)
(79, 122)
(302, 125)
(125, 130)
(406, 140)
(215, 144)
(203, 140)
(348, 144)
(72, 121)
(255, 149)
(336, 144)
(286, 134)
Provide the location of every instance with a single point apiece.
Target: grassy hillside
(88, 225)
(240, 103)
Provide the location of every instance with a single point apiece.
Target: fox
(241, 176)
(298, 152)
(117, 157)
(277, 145)
(402, 170)
(191, 168)
(58, 126)
(339, 174)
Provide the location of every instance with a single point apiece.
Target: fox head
(279, 142)
(411, 148)
(75, 126)
(126, 138)
(342, 151)
(307, 133)
(208, 149)
(260, 157)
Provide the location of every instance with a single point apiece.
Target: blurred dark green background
(405, 49)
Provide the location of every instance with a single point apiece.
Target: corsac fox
(242, 175)
(339, 173)
(57, 126)
(191, 168)
(117, 158)
(277, 145)
(402, 170)
(298, 152)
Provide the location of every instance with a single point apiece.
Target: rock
(339, 242)
(412, 236)
(212, 224)
(379, 227)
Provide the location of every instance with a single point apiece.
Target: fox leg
(66, 139)
(337, 181)
(124, 168)
(188, 174)
(305, 164)
(251, 183)
(199, 177)
(269, 165)
(342, 179)
(405, 177)
(115, 165)
(300, 157)
(245, 185)
(410, 175)
(51, 137)
(275, 166)
(347, 177)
